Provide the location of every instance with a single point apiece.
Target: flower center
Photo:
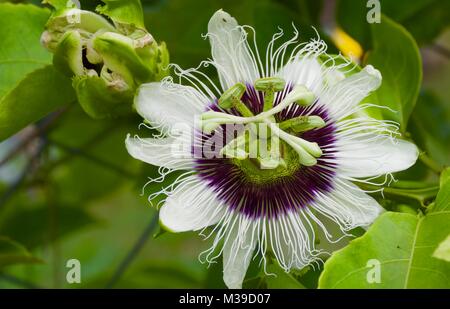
(265, 139)
(253, 173)
(245, 171)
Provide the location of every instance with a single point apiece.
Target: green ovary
(251, 167)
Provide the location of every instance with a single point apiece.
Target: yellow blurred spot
(346, 44)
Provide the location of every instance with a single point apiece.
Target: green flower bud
(120, 56)
(114, 58)
(112, 97)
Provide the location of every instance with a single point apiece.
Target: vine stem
(421, 194)
(430, 163)
(40, 129)
(146, 233)
(18, 281)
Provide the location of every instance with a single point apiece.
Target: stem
(41, 127)
(419, 194)
(76, 151)
(17, 184)
(133, 252)
(18, 281)
(430, 163)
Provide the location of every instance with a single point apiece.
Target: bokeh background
(68, 188)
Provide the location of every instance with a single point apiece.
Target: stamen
(302, 123)
(300, 95)
(269, 85)
(307, 151)
(212, 120)
(232, 98)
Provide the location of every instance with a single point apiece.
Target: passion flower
(303, 106)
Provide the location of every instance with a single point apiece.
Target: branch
(133, 252)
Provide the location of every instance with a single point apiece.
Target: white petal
(167, 105)
(170, 152)
(343, 97)
(305, 71)
(191, 206)
(230, 51)
(374, 155)
(348, 205)
(237, 254)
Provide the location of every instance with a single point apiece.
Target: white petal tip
(232, 284)
(132, 147)
(169, 221)
(374, 73)
(221, 19)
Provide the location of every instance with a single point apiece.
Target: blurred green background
(69, 190)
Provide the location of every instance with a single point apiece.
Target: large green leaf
(12, 252)
(430, 127)
(443, 250)
(403, 244)
(397, 56)
(442, 203)
(424, 19)
(21, 27)
(38, 94)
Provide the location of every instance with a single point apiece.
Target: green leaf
(416, 17)
(123, 12)
(31, 226)
(442, 202)
(403, 244)
(443, 250)
(21, 52)
(424, 19)
(11, 252)
(279, 279)
(397, 57)
(445, 176)
(38, 94)
(60, 4)
(430, 127)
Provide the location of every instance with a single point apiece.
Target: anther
(269, 85)
(302, 123)
(232, 99)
